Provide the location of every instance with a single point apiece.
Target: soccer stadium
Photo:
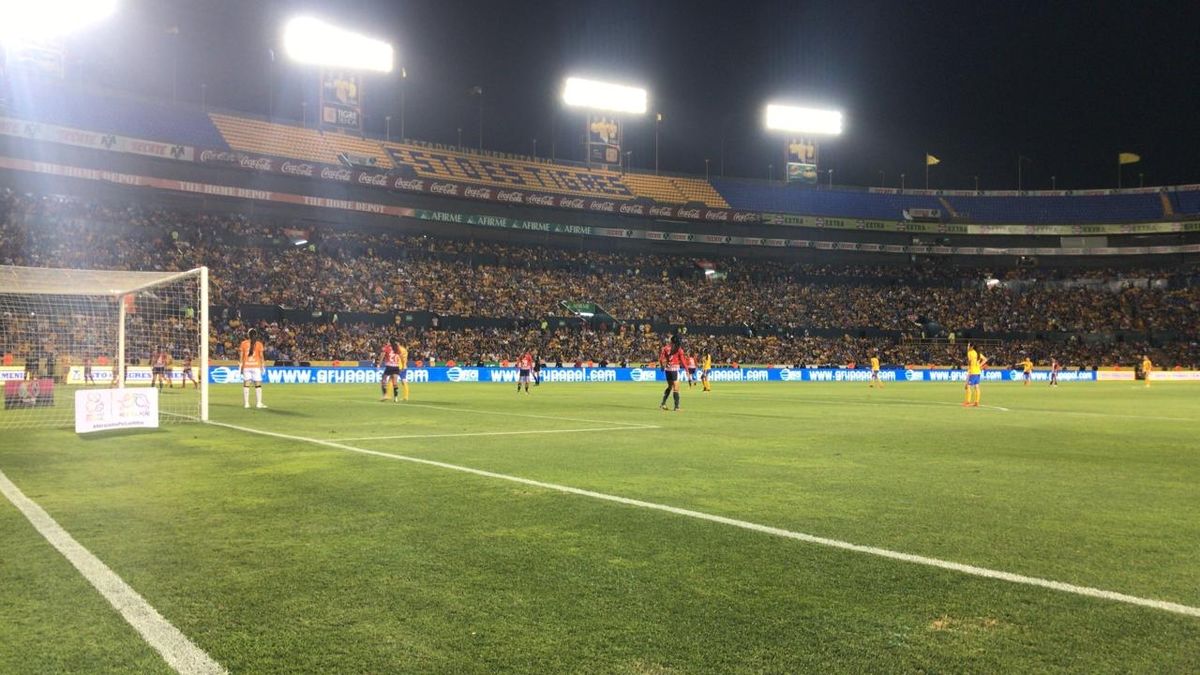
(314, 360)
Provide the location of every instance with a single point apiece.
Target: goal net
(66, 329)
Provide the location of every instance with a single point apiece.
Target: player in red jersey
(1055, 366)
(671, 358)
(160, 364)
(187, 375)
(389, 358)
(691, 370)
(525, 367)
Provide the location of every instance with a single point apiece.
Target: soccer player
(525, 367)
(705, 372)
(1027, 366)
(671, 358)
(691, 370)
(87, 371)
(875, 381)
(975, 365)
(158, 368)
(187, 376)
(1146, 368)
(389, 357)
(1055, 366)
(250, 361)
(537, 370)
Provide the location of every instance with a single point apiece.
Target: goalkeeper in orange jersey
(250, 361)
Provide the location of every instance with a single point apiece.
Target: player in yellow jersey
(1027, 367)
(975, 365)
(704, 372)
(875, 381)
(1147, 367)
(402, 361)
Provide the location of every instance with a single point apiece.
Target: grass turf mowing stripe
(502, 433)
(1086, 591)
(176, 649)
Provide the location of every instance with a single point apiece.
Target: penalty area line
(972, 570)
(176, 649)
(501, 433)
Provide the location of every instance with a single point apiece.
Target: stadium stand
(764, 312)
(284, 140)
(70, 106)
(756, 195)
(1055, 209)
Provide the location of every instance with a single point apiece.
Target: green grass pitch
(281, 555)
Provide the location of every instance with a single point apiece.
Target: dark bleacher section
(778, 198)
(1117, 208)
(147, 120)
(1186, 202)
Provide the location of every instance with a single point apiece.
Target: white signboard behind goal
(107, 409)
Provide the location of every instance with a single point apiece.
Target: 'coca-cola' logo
(541, 200)
(510, 196)
(408, 184)
(744, 217)
(256, 163)
(688, 213)
(377, 179)
(336, 174)
(572, 203)
(717, 215)
(298, 169)
(444, 188)
(607, 207)
(477, 193)
(633, 209)
(661, 211)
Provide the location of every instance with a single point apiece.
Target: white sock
(245, 395)
(258, 395)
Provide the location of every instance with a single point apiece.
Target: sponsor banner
(801, 160)
(801, 173)
(604, 139)
(94, 140)
(958, 228)
(341, 100)
(459, 374)
(1174, 376)
(11, 373)
(133, 375)
(104, 409)
(435, 165)
(210, 189)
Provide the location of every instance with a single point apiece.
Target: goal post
(62, 330)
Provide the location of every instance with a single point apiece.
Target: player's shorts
(1029, 376)
(692, 373)
(704, 373)
(874, 374)
(158, 370)
(973, 380)
(252, 375)
(524, 373)
(389, 371)
(672, 375)
(187, 374)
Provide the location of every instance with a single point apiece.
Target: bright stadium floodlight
(312, 41)
(27, 20)
(596, 95)
(803, 120)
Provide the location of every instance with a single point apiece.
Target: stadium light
(24, 21)
(312, 41)
(582, 93)
(803, 120)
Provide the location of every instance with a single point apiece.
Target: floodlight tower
(602, 135)
(806, 125)
(23, 22)
(343, 56)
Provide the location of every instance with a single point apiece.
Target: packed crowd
(338, 269)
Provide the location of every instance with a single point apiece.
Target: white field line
(513, 414)
(176, 649)
(501, 433)
(972, 570)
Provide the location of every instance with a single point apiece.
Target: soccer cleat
(383, 399)
(663, 407)
(261, 405)
(246, 405)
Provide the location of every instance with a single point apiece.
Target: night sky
(1067, 85)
